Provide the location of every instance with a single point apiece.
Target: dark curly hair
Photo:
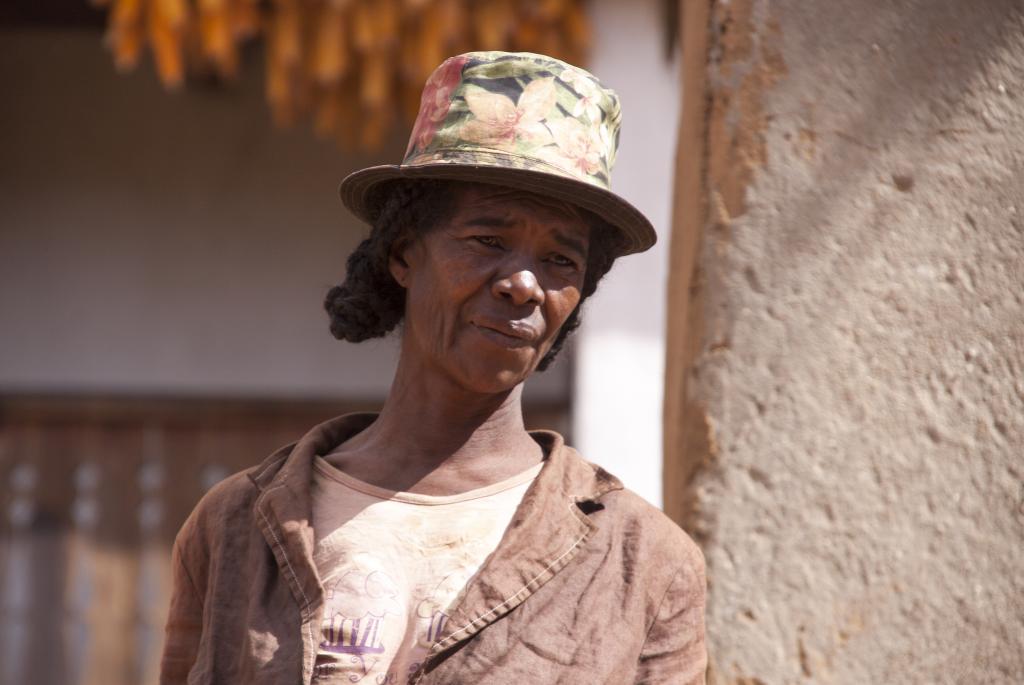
(370, 303)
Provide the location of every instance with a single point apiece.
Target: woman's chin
(492, 380)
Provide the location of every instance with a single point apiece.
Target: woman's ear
(398, 263)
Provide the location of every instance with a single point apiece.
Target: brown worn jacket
(590, 584)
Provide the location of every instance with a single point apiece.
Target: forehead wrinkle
(498, 202)
(497, 196)
(566, 237)
(491, 220)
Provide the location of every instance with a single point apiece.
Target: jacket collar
(284, 507)
(548, 529)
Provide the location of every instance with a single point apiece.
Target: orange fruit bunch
(356, 66)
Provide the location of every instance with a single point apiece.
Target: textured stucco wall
(859, 373)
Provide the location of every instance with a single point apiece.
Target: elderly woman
(439, 541)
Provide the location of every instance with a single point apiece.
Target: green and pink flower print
(499, 122)
(525, 108)
(435, 101)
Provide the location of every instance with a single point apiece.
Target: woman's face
(488, 289)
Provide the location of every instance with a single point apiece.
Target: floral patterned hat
(519, 120)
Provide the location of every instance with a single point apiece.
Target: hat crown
(520, 110)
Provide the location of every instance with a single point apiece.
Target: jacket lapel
(546, 533)
(284, 508)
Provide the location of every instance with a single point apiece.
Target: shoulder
(658, 563)
(228, 506)
(629, 521)
(650, 530)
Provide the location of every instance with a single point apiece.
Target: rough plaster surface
(862, 368)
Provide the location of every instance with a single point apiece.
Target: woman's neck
(436, 438)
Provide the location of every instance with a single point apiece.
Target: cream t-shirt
(392, 564)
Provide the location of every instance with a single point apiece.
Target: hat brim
(360, 193)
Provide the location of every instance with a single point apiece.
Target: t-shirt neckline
(327, 470)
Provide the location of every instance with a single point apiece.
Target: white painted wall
(165, 243)
(620, 349)
(179, 244)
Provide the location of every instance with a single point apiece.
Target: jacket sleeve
(674, 651)
(184, 624)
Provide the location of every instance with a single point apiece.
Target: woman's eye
(488, 240)
(562, 260)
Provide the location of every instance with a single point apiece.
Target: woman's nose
(521, 288)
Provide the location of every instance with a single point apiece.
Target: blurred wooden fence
(92, 493)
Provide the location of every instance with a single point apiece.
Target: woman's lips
(508, 333)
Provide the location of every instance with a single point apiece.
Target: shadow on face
(489, 287)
